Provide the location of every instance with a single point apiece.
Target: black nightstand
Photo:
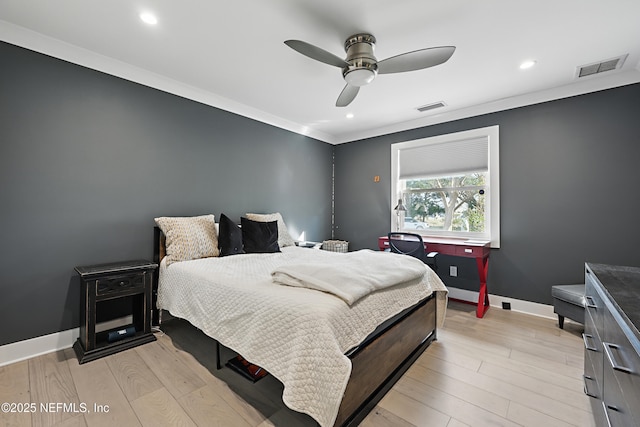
(130, 281)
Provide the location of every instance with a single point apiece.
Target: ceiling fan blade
(347, 95)
(316, 53)
(416, 60)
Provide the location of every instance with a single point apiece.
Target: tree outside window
(453, 203)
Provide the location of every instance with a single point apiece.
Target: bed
(335, 359)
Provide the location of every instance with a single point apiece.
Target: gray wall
(87, 160)
(569, 172)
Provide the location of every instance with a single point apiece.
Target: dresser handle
(614, 363)
(586, 344)
(590, 302)
(606, 415)
(586, 389)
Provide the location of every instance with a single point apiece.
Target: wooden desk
(477, 249)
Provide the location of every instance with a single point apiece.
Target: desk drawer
(470, 251)
(441, 248)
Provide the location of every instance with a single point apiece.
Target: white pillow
(189, 237)
(284, 238)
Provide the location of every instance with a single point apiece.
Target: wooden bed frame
(377, 363)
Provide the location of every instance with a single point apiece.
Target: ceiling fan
(361, 66)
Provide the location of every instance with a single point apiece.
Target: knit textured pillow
(284, 238)
(189, 237)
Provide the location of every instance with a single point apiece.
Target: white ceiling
(230, 54)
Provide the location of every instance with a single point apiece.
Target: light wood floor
(508, 369)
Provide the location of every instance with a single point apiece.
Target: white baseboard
(23, 350)
(522, 306)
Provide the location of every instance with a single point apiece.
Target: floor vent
(600, 67)
(431, 106)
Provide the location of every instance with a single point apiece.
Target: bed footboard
(378, 365)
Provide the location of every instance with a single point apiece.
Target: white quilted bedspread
(298, 335)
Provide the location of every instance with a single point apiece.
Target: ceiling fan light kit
(361, 66)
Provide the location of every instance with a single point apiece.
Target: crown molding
(581, 87)
(40, 43)
(32, 40)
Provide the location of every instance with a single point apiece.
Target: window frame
(492, 209)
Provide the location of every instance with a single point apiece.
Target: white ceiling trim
(37, 42)
(579, 88)
(26, 38)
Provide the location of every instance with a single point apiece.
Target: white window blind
(444, 158)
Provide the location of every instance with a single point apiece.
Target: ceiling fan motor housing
(363, 66)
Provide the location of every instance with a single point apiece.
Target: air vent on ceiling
(600, 67)
(431, 106)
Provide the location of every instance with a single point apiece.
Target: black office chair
(410, 244)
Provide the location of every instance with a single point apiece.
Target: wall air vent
(431, 106)
(600, 67)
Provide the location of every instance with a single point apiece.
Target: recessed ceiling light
(527, 64)
(349, 115)
(148, 18)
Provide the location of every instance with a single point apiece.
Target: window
(449, 185)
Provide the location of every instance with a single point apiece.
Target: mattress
(298, 335)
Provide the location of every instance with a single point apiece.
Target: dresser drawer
(624, 361)
(591, 386)
(594, 304)
(616, 408)
(593, 389)
(593, 366)
(116, 285)
(591, 331)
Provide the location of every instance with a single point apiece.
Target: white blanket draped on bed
(289, 331)
(352, 275)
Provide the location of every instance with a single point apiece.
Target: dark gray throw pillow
(229, 237)
(259, 237)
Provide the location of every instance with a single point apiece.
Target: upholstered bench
(568, 301)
